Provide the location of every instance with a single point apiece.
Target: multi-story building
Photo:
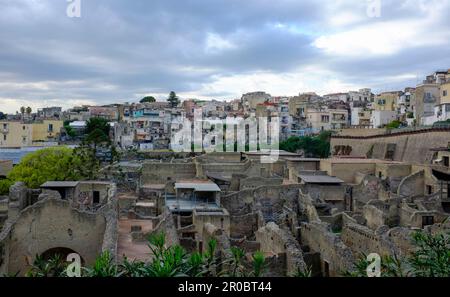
(46, 130)
(251, 100)
(110, 113)
(405, 103)
(386, 101)
(380, 118)
(324, 119)
(337, 97)
(360, 117)
(14, 134)
(49, 112)
(427, 97)
(363, 95)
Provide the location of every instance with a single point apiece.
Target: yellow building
(386, 101)
(47, 130)
(445, 93)
(15, 134)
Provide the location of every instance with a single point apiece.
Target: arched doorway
(62, 252)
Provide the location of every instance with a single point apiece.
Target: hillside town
(149, 124)
(384, 179)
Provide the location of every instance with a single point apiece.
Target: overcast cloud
(122, 50)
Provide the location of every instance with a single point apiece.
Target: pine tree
(173, 99)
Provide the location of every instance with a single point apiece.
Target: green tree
(97, 124)
(50, 164)
(28, 110)
(22, 110)
(148, 99)
(313, 146)
(96, 138)
(394, 125)
(430, 258)
(69, 130)
(2, 116)
(5, 184)
(173, 99)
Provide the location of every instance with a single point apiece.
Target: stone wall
(333, 252)
(374, 217)
(168, 226)
(159, 173)
(276, 240)
(362, 240)
(244, 226)
(255, 182)
(412, 185)
(48, 224)
(413, 147)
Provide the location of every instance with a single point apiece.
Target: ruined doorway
(326, 269)
(61, 252)
(427, 220)
(96, 197)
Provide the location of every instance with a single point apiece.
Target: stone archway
(63, 252)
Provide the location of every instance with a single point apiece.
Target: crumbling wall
(160, 173)
(51, 223)
(255, 182)
(244, 226)
(367, 190)
(412, 147)
(168, 226)
(318, 237)
(307, 207)
(374, 216)
(362, 240)
(412, 185)
(276, 240)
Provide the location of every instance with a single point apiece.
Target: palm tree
(22, 111)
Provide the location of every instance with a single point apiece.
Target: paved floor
(125, 246)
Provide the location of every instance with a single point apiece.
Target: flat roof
(60, 184)
(293, 159)
(360, 161)
(198, 187)
(269, 151)
(189, 205)
(321, 179)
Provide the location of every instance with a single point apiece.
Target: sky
(120, 51)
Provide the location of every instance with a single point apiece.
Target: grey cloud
(156, 46)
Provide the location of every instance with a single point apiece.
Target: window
(96, 199)
(325, 119)
(50, 127)
(446, 161)
(23, 127)
(429, 190)
(4, 137)
(5, 126)
(444, 93)
(427, 220)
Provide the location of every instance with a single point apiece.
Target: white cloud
(307, 79)
(382, 37)
(215, 43)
